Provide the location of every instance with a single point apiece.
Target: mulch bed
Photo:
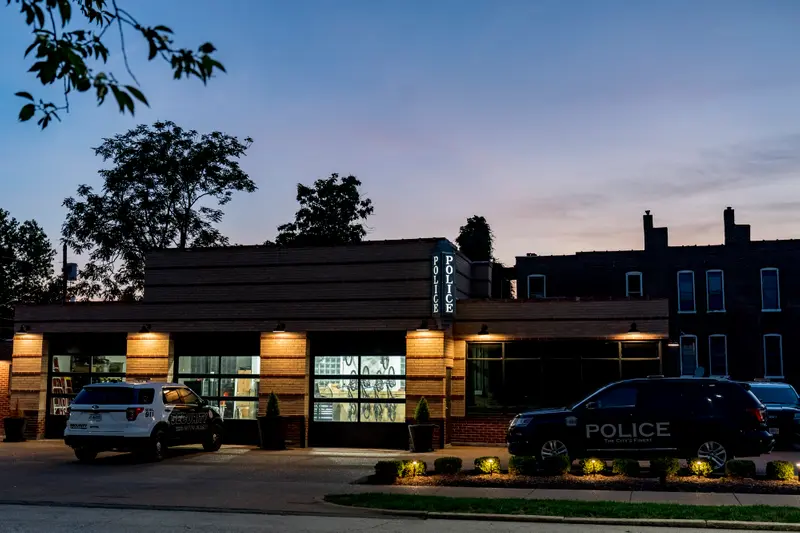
(601, 482)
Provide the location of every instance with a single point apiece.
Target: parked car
(783, 411)
(144, 418)
(714, 419)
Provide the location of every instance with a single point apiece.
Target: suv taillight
(132, 412)
(760, 414)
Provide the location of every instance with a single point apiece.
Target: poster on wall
(443, 275)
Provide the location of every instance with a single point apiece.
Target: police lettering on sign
(628, 433)
(443, 275)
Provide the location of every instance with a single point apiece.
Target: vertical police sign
(444, 283)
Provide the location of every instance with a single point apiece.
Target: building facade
(349, 338)
(732, 307)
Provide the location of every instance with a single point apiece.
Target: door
(662, 411)
(177, 417)
(608, 420)
(197, 423)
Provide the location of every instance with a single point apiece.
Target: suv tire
(551, 447)
(214, 440)
(85, 455)
(715, 452)
(158, 446)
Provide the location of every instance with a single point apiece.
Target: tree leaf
(27, 112)
(23, 94)
(137, 94)
(65, 10)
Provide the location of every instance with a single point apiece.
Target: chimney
(654, 238)
(734, 233)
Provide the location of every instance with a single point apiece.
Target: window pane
(72, 363)
(485, 351)
(171, 397)
(335, 412)
(536, 286)
(484, 383)
(240, 365)
(769, 289)
(336, 388)
(634, 284)
(688, 356)
(640, 350)
(106, 379)
(62, 363)
(617, 398)
(386, 388)
(598, 373)
(715, 292)
(236, 410)
(394, 365)
(203, 386)
(773, 365)
(68, 384)
(383, 412)
(523, 386)
(238, 387)
(640, 369)
(717, 356)
(106, 396)
(332, 365)
(109, 364)
(188, 397)
(686, 291)
(198, 365)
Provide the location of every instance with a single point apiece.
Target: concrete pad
(482, 492)
(581, 495)
(788, 500)
(684, 498)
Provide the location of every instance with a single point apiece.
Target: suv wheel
(85, 455)
(552, 448)
(158, 446)
(714, 452)
(214, 440)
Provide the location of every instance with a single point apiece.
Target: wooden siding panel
(531, 309)
(563, 328)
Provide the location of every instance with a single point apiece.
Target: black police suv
(783, 411)
(710, 418)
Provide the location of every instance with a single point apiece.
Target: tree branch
(122, 41)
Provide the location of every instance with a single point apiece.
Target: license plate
(775, 431)
(77, 426)
(95, 418)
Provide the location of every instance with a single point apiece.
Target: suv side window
(188, 397)
(172, 397)
(618, 397)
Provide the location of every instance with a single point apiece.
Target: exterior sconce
(280, 327)
(146, 328)
(484, 330)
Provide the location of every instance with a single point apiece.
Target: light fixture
(484, 330)
(633, 328)
(280, 327)
(672, 344)
(23, 329)
(423, 326)
(146, 328)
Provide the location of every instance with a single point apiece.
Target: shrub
(664, 466)
(781, 470)
(487, 465)
(592, 466)
(422, 414)
(740, 468)
(557, 465)
(389, 470)
(522, 465)
(414, 467)
(273, 406)
(700, 467)
(626, 467)
(447, 465)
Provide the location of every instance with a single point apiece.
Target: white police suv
(144, 418)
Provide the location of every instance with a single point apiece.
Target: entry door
(609, 420)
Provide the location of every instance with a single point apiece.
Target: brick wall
(480, 429)
(149, 356)
(425, 372)
(29, 380)
(5, 393)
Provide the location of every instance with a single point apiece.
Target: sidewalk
(686, 498)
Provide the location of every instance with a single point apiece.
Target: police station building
(348, 337)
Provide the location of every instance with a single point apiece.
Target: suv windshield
(114, 396)
(781, 395)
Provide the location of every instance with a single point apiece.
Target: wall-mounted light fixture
(280, 327)
(23, 329)
(633, 328)
(146, 328)
(673, 344)
(484, 330)
(423, 326)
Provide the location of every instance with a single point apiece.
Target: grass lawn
(754, 513)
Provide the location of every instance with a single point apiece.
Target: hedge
(447, 465)
(522, 465)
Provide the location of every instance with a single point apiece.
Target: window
(633, 284)
(715, 291)
(770, 290)
(229, 382)
(69, 374)
(537, 286)
(686, 302)
(688, 355)
(617, 398)
(172, 397)
(116, 396)
(718, 355)
(189, 398)
(773, 356)
(359, 388)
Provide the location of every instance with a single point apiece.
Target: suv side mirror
(203, 402)
(590, 405)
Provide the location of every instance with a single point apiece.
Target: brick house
(348, 337)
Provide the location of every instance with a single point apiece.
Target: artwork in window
(716, 290)
(336, 365)
(773, 356)
(336, 388)
(770, 290)
(336, 412)
(383, 412)
(717, 355)
(688, 355)
(686, 292)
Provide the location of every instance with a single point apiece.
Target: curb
(645, 522)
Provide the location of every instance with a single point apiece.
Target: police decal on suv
(629, 433)
(189, 421)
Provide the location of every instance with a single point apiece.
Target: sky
(560, 121)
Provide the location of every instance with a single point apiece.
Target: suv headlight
(520, 422)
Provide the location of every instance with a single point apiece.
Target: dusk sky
(559, 121)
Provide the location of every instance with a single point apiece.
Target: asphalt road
(28, 519)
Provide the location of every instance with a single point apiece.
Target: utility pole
(64, 274)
